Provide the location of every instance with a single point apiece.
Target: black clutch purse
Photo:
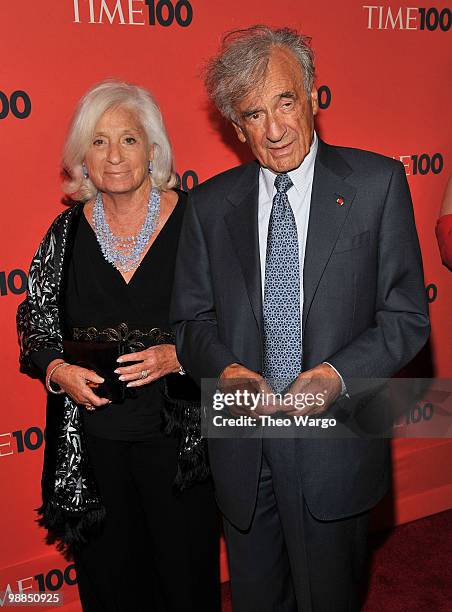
(101, 358)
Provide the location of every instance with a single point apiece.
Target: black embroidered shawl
(71, 506)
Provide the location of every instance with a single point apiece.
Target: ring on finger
(144, 374)
(90, 407)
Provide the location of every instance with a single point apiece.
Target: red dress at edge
(444, 237)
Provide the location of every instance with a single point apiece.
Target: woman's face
(118, 158)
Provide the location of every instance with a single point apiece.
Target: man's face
(276, 119)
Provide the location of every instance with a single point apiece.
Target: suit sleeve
(401, 326)
(192, 312)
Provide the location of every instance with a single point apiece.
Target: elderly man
(304, 266)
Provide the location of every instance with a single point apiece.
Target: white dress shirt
(300, 201)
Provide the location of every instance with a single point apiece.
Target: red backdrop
(383, 72)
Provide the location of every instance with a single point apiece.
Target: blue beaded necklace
(125, 252)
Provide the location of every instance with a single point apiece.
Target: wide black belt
(132, 340)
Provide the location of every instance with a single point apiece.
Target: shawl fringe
(69, 530)
(182, 418)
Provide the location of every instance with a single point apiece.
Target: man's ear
(314, 101)
(240, 133)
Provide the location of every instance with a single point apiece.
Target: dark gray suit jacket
(365, 311)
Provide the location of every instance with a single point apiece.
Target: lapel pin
(340, 201)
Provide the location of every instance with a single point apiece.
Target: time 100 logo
(18, 104)
(134, 12)
(165, 12)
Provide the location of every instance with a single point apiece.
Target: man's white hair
(242, 61)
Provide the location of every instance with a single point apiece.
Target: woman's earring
(150, 167)
(85, 171)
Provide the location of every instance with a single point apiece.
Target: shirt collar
(299, 177)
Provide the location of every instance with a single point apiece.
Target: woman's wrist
(178, 369)
(52, 368)
(181, 370)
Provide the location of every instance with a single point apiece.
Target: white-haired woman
(95, 326)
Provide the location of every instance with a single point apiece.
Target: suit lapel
(326, 217)
(242, 225)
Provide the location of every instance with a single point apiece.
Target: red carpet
(411, 568)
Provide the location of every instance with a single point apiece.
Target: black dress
(97, 296)
(156, 550)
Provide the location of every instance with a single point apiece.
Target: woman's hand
(155, 362)
(75, 382)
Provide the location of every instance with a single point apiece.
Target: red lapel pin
(340, 201)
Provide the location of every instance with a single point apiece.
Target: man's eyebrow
(284, 94)
(287, 94)
(249, 112)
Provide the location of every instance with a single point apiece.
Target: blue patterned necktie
(281, 311)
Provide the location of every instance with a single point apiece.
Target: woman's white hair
(100, 98)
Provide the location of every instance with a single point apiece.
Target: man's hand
(237, 379)
(322, 382)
